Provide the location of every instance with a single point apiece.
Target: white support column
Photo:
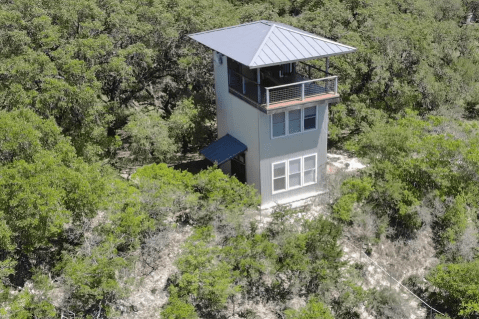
(267, 97)
(336, 85)
(302, 91)
(258, 81)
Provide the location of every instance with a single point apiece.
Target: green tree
(148, 138)
(314, 309)
(458, 286)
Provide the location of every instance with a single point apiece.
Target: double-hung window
(279, 124)
(293, 122)
(294, 173)
(310, 118)
(279, 176)
(309, 172)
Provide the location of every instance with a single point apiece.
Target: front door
(238, 167)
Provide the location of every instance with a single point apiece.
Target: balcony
(281, 89)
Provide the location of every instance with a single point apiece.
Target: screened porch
(281, 85)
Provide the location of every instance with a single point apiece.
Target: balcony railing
(300, 88)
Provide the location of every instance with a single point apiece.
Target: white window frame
(302, 171)
(300, 124)
(285, 176)
(286, 124)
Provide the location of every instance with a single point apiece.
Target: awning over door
(223, 149)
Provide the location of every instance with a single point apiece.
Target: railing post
(267, 97)
(244, 84)
(302, 91)
(335, 85)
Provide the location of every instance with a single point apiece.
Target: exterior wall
(240, 120)
(288, 147)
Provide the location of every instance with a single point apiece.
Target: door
(238, 167)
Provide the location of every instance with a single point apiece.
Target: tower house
(272, 107)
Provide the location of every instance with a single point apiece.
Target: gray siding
(240, 120)
(253, 128)
(288, 147)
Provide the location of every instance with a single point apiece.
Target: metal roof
(223, 149)
(264, 43)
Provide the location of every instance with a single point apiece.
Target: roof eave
(300, 60)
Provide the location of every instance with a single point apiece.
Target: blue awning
(223, 149)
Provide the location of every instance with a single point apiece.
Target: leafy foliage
(459, 288)
(314, 309)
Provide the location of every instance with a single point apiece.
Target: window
(279, 124)
(293, 122)
(294, 173)
(309, 174)
(279, 176)
(310, 118)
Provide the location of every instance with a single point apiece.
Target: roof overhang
(264, 43)
(223, 149)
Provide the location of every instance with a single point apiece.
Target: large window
(294, 173)
(293, 122)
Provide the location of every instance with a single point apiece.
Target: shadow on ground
(194, 166)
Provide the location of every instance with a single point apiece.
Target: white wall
(240, 120)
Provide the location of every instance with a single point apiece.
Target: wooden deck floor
(316, 98)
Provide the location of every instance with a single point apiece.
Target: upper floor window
(279, 124)
(310, 118)
(294, 121)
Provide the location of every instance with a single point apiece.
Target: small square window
(279, 124)
(310, 118)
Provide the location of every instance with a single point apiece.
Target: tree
(314, 310)
(458, 286)
(148, 138)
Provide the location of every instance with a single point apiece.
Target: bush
(313, 310)
(148, 138)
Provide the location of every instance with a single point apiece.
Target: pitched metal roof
(264, 43)
(223, 149)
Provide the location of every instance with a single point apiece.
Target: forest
(91, 87)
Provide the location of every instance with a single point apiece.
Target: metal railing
(300, 89)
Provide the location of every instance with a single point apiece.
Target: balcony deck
(292, 90)
(307, 100)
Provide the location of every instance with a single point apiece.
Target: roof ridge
(225, 28)
(262, 43)
(315, 36)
